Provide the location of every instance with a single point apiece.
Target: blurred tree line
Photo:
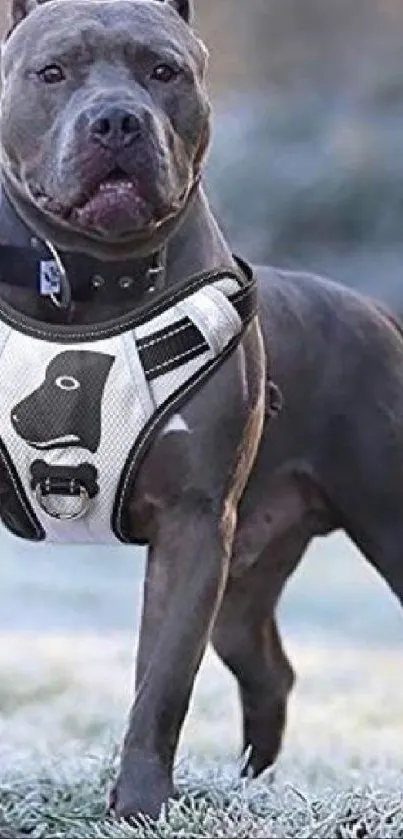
(327, 45)
(307, 167)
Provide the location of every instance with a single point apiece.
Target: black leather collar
(23, 255)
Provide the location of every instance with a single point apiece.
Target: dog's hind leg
(378, 532)
(370, 501)
(246, 638)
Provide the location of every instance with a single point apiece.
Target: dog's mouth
(118, 205)
(61, 442)
(116, 202)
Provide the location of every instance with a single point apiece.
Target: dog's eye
(52, 74)
(67, 383)
(164, 73)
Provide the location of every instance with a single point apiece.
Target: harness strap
(169, 347)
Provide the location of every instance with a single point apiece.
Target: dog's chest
(77, 416)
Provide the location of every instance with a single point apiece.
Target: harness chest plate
(78, 411)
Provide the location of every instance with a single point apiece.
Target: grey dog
(92, 87)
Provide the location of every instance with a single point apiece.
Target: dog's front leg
(186, 576)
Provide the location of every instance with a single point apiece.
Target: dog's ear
(184, 9)
(19, 10)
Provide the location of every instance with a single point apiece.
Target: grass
(340, 771)
(215, 804)
(66, 656)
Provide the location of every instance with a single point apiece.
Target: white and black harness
(81, 405)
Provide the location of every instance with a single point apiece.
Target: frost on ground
(65, 689)
(340, 773)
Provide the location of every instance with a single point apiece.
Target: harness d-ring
(84, 503)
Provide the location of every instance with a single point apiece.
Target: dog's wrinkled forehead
(101, 29)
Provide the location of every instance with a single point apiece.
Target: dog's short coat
(104, 128)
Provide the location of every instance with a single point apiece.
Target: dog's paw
(141, 789)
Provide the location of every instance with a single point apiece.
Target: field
(312, 177)
(67, 625)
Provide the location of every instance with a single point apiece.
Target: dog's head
(104, 119)
(66, 409)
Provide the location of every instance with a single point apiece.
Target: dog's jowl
(135, 383)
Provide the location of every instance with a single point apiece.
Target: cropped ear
(184, 9)
(19, 10)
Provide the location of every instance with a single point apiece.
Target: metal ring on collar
(84, 503)
(64, 300)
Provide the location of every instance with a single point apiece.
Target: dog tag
(49, 277)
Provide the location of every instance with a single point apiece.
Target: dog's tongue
(116, 205)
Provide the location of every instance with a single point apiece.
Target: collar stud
(125, 283)
(97, 281)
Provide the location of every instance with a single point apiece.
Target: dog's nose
(115, 128)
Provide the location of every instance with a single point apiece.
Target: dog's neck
(105, 289)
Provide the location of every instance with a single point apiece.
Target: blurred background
(306, 170)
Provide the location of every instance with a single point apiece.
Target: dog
(104, 130)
